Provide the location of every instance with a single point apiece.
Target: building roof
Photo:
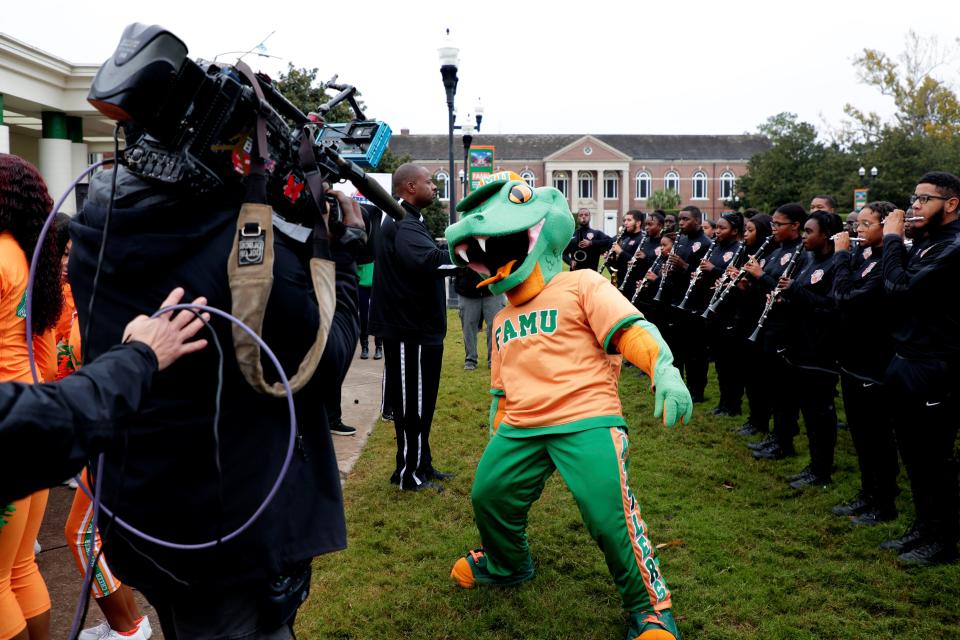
(638, 147)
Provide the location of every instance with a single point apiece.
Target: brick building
(607, 174)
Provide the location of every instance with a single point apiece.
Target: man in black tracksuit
(592, 242)
(171, 474)
(924, 375)
(408, 311)
(689, 345)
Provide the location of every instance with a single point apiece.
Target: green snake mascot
(555, 401)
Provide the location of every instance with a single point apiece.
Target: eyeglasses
(777, 224)
(866, 224)
(924, 198)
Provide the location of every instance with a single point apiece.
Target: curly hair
(24, 206)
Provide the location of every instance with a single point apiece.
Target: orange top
(66, 315)
(14, 364)
(551, 361)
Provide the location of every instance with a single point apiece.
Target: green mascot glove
(672, 399)
(642, 344)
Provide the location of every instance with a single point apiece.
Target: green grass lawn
(750, 557)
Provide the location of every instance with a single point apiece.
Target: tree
(300, 86)
(664, 199)
(785, 172)
(925, 105)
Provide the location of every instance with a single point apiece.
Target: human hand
(753, 267)
(676, 262)
(349, 209)
(706, 265)
(784, 283)
(617, 249)
(583, 244)
(672, 400)
(168, 337)
(893, 223)
(841, 241)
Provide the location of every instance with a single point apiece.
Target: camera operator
(201, 454)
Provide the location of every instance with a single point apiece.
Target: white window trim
(643, 176)
(702, 177)
(615, 182)
(529, 177)
(445, 191)
(671, 175)
(562, 177)
(581, 178)
(732, 178)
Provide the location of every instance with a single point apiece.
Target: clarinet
(609, 254)
(633, 260)
(788, 272)
(733, 281)
(643, 283)
(664, 272)
(696, 277)
(722, 282)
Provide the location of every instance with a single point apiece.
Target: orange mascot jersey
(552, 359)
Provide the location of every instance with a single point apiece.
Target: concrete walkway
(360, 402)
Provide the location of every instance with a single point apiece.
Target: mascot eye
(520, 194)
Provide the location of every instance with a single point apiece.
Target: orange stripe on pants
(79, 538)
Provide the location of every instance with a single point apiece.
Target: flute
(665, 271)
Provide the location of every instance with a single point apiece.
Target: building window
(529, 178)
(699, 186)
(727, 181)
(671, 181)
(643, 185)
(611, 186)
(586, 185)
(443, 184)
(561, 184)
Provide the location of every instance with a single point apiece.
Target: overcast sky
(692, 67)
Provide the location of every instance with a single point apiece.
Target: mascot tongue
(501, 274)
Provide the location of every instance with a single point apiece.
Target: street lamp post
(449, 59)
(863, 176)
(467, 132)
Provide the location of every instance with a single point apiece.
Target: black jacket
(858, 293)
(408, 300)
(161, 476)
(47, 431)
(923, 284)
(600, 244)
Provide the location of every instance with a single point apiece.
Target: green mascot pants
(593, 463)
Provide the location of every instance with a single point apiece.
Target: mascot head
(510, 232)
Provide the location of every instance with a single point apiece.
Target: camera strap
(250, 270)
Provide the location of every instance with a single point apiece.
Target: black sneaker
(852, 507)
(747, 430)
(341, 429)
(378, 353)
(930, 553)
(387, 415)
(775, 452)
(810, 479)
(423, 486)
(910, 539)
(766, 443)
(800, 474)
(436, 474)
(872, 516)
(364, 352)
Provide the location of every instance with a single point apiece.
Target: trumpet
(609, 254)
(665, 271)
(633, 260)
(788, 272)
(643, 283)
(696, 278)
(710, 310)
